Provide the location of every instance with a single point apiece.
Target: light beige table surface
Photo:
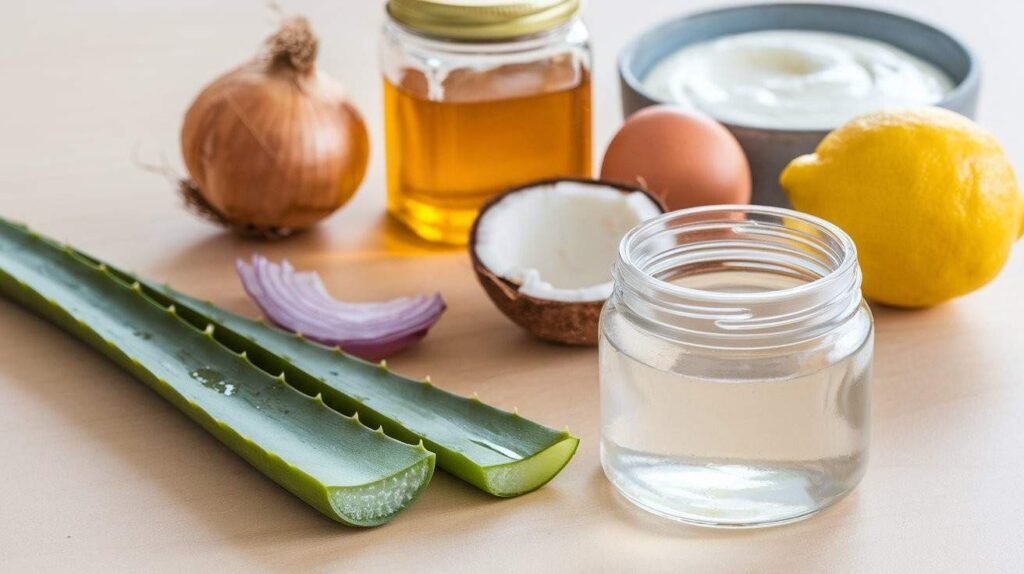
(97, 473)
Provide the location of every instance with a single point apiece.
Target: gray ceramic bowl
(770, 150)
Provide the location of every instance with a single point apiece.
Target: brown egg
(685, 158)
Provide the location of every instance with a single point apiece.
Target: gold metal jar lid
(482, 19)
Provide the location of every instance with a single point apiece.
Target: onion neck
(293, 47)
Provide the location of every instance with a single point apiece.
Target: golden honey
(453, 145)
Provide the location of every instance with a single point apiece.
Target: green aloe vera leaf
(346, 471)
(501, 453)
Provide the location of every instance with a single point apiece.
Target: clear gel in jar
(735, 366)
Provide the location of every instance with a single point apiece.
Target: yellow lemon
(928, 196)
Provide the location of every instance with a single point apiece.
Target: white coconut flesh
(559, 241)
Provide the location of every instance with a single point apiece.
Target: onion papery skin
(299, 302)
(272, 148)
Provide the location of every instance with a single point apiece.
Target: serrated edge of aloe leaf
(337, 500)
(333, 501)
(505, 480)
(514, 478)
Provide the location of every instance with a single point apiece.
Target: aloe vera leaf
(346, 471)
(501, 453)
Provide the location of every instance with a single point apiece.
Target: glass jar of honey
(480, 96)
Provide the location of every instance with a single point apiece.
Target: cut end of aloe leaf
(527, 475)
(502, 453)
(348, 472)
(377, 503)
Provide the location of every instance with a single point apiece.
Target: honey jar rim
(481, 20)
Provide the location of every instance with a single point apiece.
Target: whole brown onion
(274, 146)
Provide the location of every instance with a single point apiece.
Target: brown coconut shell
(565, 322)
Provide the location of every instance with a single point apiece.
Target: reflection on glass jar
(478, 101)
(735, 367)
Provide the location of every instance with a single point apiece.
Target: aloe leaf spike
(340, 467)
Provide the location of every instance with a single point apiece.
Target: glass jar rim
(475, 48)
(642, 232)
(776, 243)
(495, 20)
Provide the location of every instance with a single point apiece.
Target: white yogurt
(791, 79)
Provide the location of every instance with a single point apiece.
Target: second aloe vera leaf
(345, 470)
(501, 453)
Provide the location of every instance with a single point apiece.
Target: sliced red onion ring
(298, 301)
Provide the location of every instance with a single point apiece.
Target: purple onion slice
(297, 301)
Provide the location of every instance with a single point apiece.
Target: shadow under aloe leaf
(206, 469)
(247, 503)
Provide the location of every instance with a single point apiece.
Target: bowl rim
(960, 91)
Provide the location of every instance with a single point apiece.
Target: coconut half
(544, 252)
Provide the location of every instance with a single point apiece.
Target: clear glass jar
(479, 98)
(735, 370)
